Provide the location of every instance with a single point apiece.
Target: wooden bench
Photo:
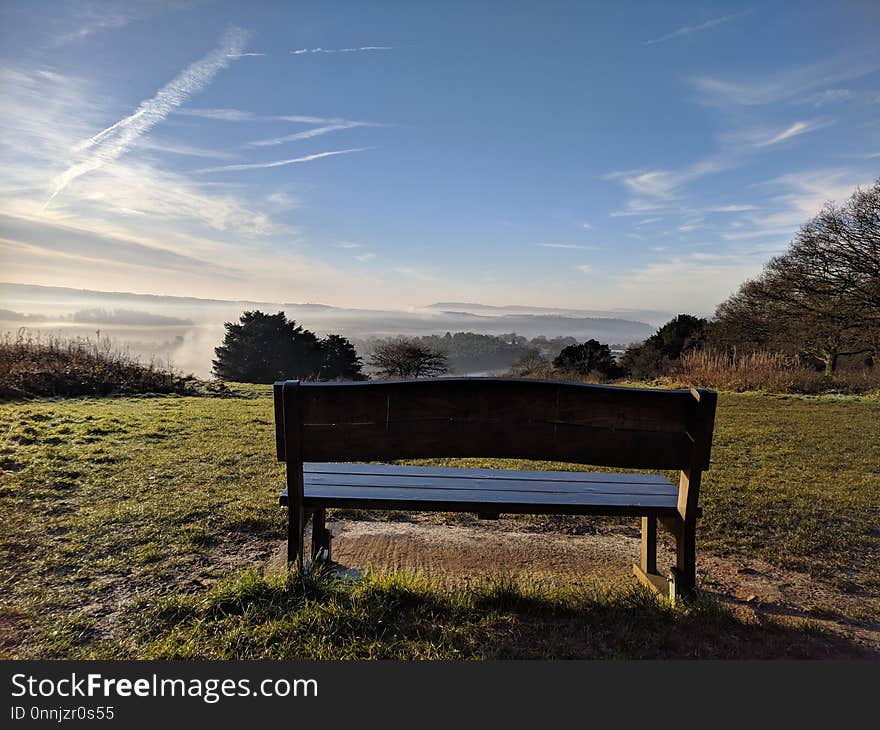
(322, 427)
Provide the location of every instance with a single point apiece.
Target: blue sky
(596, 155)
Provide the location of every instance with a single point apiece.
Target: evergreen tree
(590, 357)
(654, 356)
(263, 348)
(341, 361)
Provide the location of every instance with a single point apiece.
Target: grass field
(136, 527)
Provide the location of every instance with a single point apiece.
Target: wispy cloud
(282, 163)
(307, 134)
(348, 244)
(769, 88)
(689, 30)
(830, 96)
(729, 208)
(802, 196)
(245, 55)
(301, 51)
(654, 187)
(223, 115)
(328, 124)
(793, 130)
(174, 148)
(93, 19)
(564, 245)
(584, 268)
(364, 257)
(88, 17)
(116, 139)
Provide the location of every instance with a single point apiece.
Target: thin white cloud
(803, 195)
(301, 51)
(654, 189)
(364, 257)
(307, 134)
(239, 115)
(564, 245)
(223, 115)
(348, 244)
(769, 88)
(688, 30)
(245, 55)
(729, 208)
(281, 163)
(584, 268)
(302, 119)
(174, 148)
(97, 19)
(88, 18)
(793, 130)
(830, 96)
(114, 141)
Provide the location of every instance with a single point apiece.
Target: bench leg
(295, 529)
(649, 544)
(320, 535)
(646, 569)
(684, 574)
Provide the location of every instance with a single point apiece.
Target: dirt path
(463, 554)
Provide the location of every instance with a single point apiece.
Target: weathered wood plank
(278, 403)
(466, 472)
(293, 457)
(513, 439)
(657, 583)
(648, 561)
(330, 495)
(703, 426)
(498, 417)
(385, 481)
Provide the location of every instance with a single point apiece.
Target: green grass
(405, 616)
(120, 516)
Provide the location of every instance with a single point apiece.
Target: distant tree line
(818, 304)
(469, 352)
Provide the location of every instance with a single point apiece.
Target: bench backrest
(635, 428)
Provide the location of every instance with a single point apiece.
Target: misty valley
(182, 332)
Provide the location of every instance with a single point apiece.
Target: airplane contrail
(116, 139)
(300, 51)
(281, 163)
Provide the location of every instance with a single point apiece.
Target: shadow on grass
(399, 616)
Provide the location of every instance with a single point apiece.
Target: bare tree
(820, 299)
(405, 358)
(531, 361)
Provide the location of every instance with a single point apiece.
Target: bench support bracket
(646, 569)
(682, 576)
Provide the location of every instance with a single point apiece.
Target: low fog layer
(183, 331)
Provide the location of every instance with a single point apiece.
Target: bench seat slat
(462, 472)
(375, 486)
(386, 481)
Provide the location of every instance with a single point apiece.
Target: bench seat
(487, 492)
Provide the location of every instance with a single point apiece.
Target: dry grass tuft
(768, 371)
(37, 365)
